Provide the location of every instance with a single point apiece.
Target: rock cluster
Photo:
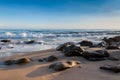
(70, 49)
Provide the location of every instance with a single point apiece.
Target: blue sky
(60, 14)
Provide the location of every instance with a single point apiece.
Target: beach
(60, 40)
(35, 70)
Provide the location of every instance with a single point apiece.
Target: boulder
(5, 41)
(73, 51)
(62, 46)
(22, 61)
(9, 62)
(102, 44)
(59, 66)
(113, 68)
(112, 39)
(96, 55)
(48, 59)
(86, 43)
(51, 58)
(29, 42)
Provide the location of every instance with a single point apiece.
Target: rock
(96, 55)
(59, 66)
(73, 51)
(113, 68)
(41, 60)
(29, 42)
(68, 48)
(22, 61)
(86, 43)
(103, 53)
(5, 41)
(102, 44)
(112, 39)
(9, 62)
(112, 47)
(48, 59)
(51, 58)
(62, 46)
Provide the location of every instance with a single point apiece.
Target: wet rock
(59, 66)
(62, 46)
(22, 61)
(29, 42)
(41, 60)
(115, 39)
(112, 47)
(73, 51)
(48, 59)
(113, 68)
(96, 55)
(5, 41)
(9, 62)
(102, 44)
(51, 58)
(86, 43)
(103, 53)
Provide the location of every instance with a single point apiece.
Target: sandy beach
(59, 39)
(39, 70)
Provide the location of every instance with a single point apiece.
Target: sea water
(47, 39)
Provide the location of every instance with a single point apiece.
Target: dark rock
(62, 46)
(112, 47)
(96, 55)
(113, 68)
(112, 39)
(69, 48)
(9, 62)
(22, 61)
(102, 44)
(86, 43)
(59, 66)
(29, 42)
(103, 52)
(51, 58)
(73, 51)
(48, 59)
(6, 41)
(40, 60)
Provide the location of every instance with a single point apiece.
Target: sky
(60, 14)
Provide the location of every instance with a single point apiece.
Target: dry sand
(39, 70)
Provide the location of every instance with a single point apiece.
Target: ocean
(44, 39)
